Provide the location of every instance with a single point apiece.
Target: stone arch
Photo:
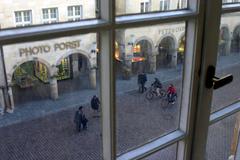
(167, 51)
(147, 39)
(144, 51)
(76, 51)
(35, 59)
(165, 36)
(235, 41)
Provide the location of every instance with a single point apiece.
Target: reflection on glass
(223, 138)
(168, 153)
(148, 60)
(47, 82)
(139, 6)
(228, 61)
(230, 1)
(19, 14)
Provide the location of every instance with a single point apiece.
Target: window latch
(216, 82)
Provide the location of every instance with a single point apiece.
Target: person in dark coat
(78, 118)
(142, 79)
(95, 103)
(84, 122)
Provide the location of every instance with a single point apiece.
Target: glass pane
(47, 82)
(148, 60)
(223, 138)
(144, 6)
(228, 61)
(16, 15)
(168, 153)
(230, 1)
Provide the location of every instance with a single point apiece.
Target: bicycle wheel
(149, 95)
(162, 93)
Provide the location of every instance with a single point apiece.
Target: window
(156, 82)
(164, 5)
(145, 7)
(50, 15)
(23, 18)
(75, 13)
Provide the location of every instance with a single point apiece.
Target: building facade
(48, 62)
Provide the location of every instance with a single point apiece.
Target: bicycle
(153, 93)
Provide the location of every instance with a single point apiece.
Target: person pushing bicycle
(157, 85)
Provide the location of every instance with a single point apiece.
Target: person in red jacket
(172, 94)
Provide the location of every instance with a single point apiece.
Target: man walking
(95, 103)
(142, 79)
(78, 118)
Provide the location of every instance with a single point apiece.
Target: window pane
(228, 61)
(42, 12)
(47, 82)
(168, 153)
(230, 1)
(223, 138)
(140, 6)
(150, 55)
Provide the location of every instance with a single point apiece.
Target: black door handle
(216, 82)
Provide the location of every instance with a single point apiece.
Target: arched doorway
(73, 73)
(141, 52)
(30, 82)
(181, 50)
(235, 44)
(166, 50)
(224, 41)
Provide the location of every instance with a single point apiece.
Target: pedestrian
(84, 122)
(78, 118)
(142, 79)
(95, 103)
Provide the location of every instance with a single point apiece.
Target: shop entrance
(140, 61)
(165, 51)
(30, 82)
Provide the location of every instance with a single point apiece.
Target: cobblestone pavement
(49, 132)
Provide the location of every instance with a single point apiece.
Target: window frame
(23, 21)
(49, 14)
(74, 16)
(191, 143)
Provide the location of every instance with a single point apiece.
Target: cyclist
(171, 93)
(157, 86)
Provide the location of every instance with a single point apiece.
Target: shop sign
(41, 49)
(171, 30)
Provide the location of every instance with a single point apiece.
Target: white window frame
(145, 6)
(164, 5)
(22, 21)
(50, 15)
(195, 114)
(73, 16)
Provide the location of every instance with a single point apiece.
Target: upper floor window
(50, 15)
(23, 18)
(75, 13)
(164, 5)
(145, 7)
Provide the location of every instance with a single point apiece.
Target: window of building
(23, 18)
(138, 119)
(145, 7)
(75, 13)
(50, 15)
(164, 5)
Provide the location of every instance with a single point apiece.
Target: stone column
(2, 102)
(152, 63)
(92, 78)
(228, 47)
(12, 105)
(127, 69)
(75, 65)
(174, 58)
(54, 88)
